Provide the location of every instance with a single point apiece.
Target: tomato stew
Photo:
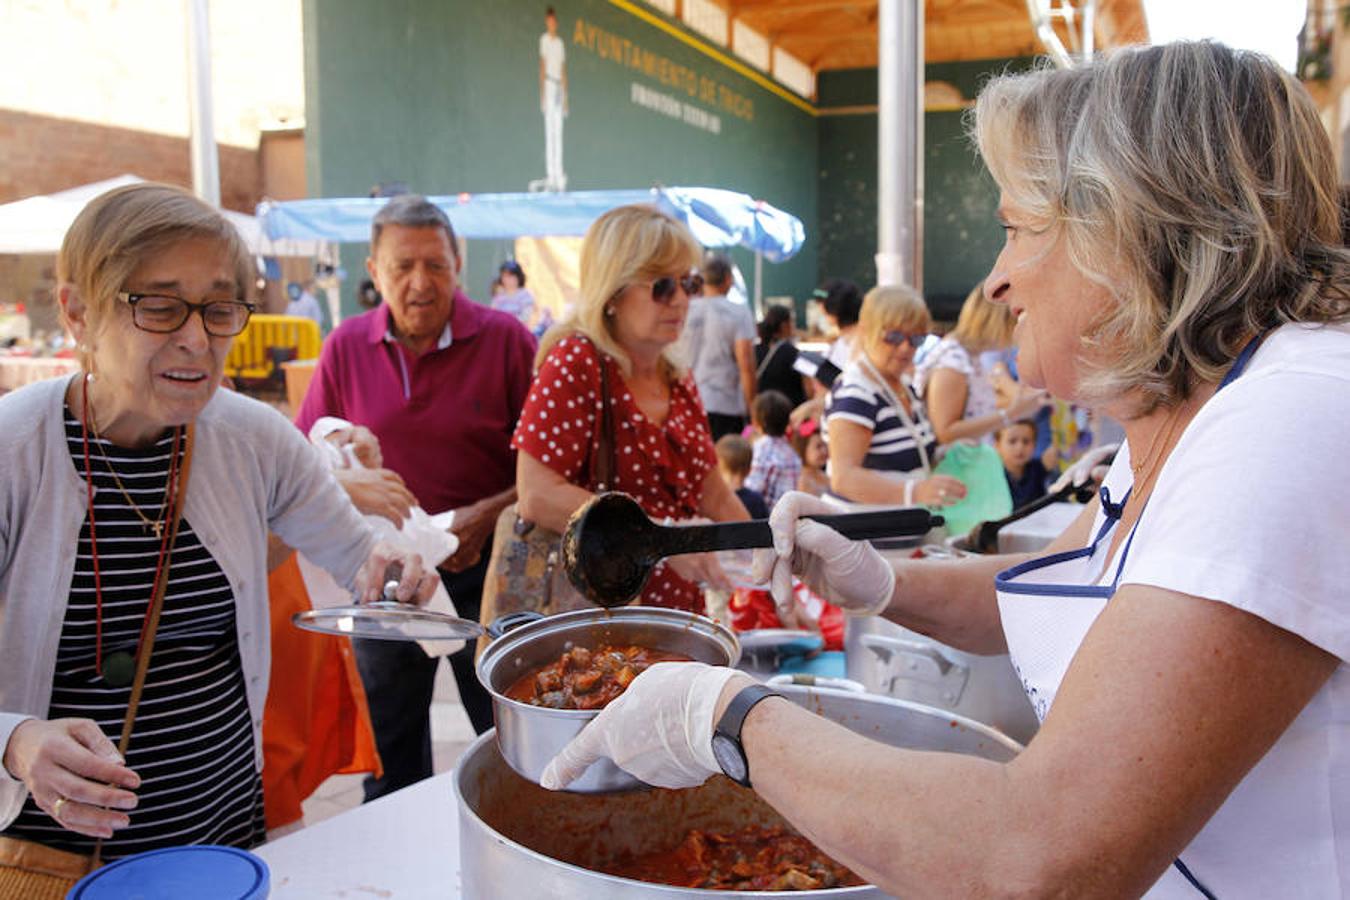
(587, 679)
(752, 859)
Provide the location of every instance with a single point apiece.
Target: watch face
(729, 757)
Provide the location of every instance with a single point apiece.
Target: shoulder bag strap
(901, 412)
(156, 607)
(764, 363)
(602, 456)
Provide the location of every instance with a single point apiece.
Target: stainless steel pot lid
(387, 620)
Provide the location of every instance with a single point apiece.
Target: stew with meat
(587, 679)
(755, 858)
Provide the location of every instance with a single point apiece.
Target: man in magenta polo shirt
(440, 381)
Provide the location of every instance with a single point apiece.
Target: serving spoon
(610, 545)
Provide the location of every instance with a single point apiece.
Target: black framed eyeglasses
(663, 289)
(896, 337)
(165, 313)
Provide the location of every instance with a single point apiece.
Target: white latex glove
(1081, 472)
(659, 730)
(850, 574)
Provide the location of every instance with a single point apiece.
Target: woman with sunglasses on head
(636, 275)
(881, 442)
(960, 394)
(134, 520)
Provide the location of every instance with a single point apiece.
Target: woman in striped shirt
(154, 284)
(880, 440)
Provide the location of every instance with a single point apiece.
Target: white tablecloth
(401, 847)
(16, 371)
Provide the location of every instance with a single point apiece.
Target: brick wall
(42, 154)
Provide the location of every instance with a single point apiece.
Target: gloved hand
(659, 730)
(1081, 472)
(850, 574)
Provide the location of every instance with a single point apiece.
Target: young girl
(810, 446)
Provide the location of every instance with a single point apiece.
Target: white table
(400, 847)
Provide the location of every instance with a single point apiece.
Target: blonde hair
(982, 324)
(627, 245)
(888, 307)
(116, 232)
(1193, 182)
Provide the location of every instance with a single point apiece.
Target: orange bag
(316, 722)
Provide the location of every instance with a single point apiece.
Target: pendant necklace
(119, 667)
(146, 524)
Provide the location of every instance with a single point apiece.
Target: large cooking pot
(530, 736)
(518, 840)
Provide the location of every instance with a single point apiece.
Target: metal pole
(758, 306)
(900, 79)
(205, 163)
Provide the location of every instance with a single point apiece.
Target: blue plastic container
(204, 872)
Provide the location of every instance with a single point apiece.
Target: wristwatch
(726, 740)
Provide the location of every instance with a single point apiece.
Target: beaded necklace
(120, 667)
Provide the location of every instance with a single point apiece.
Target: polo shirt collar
(466, 320)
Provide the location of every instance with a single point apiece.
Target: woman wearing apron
(1173, 259)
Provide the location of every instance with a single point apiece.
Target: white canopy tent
(38, 224)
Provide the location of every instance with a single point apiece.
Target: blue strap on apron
(1005, 581)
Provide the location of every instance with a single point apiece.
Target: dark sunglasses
(663, 289)
(896, 338)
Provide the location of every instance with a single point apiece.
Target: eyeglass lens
(896, 338)
(663, 289)
(222, 318)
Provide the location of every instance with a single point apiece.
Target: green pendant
(119, 668)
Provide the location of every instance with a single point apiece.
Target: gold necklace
(147, 524)
(1165, 433)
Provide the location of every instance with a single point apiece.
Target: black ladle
(983, 538)
(610, 546)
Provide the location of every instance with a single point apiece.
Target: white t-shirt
(1252, 509)
(711, 330)
(554, 54)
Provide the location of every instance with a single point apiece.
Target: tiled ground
(451, 734)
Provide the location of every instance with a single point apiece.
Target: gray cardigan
(252, 471)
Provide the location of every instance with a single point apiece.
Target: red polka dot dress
(662, 466)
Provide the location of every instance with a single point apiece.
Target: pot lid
(387, 620)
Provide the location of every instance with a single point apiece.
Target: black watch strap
(733, 720)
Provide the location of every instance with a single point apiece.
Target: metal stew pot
(530, 736)
(519, 840)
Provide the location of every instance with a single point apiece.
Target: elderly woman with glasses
(134, 520)
(1173, 256)
(880, 440)
(636, 278)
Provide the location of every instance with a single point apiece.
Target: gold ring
(56, 808)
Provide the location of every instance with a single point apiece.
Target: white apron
(1047, 606)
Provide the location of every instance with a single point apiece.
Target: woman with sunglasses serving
(134, 520)
(881, 442)
(635, 283)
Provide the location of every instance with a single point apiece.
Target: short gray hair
(1194, 182)
(411, 211)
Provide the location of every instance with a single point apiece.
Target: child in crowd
(810, 446)
(775, 468)
(1016, 445)
(734, 455)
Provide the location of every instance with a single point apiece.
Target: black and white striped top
(192, 743)
(857, 397)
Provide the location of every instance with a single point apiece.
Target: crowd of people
(1199, 297)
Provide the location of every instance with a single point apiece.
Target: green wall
(961, 237)
(443, 95)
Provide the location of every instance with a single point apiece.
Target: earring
(609, 310)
